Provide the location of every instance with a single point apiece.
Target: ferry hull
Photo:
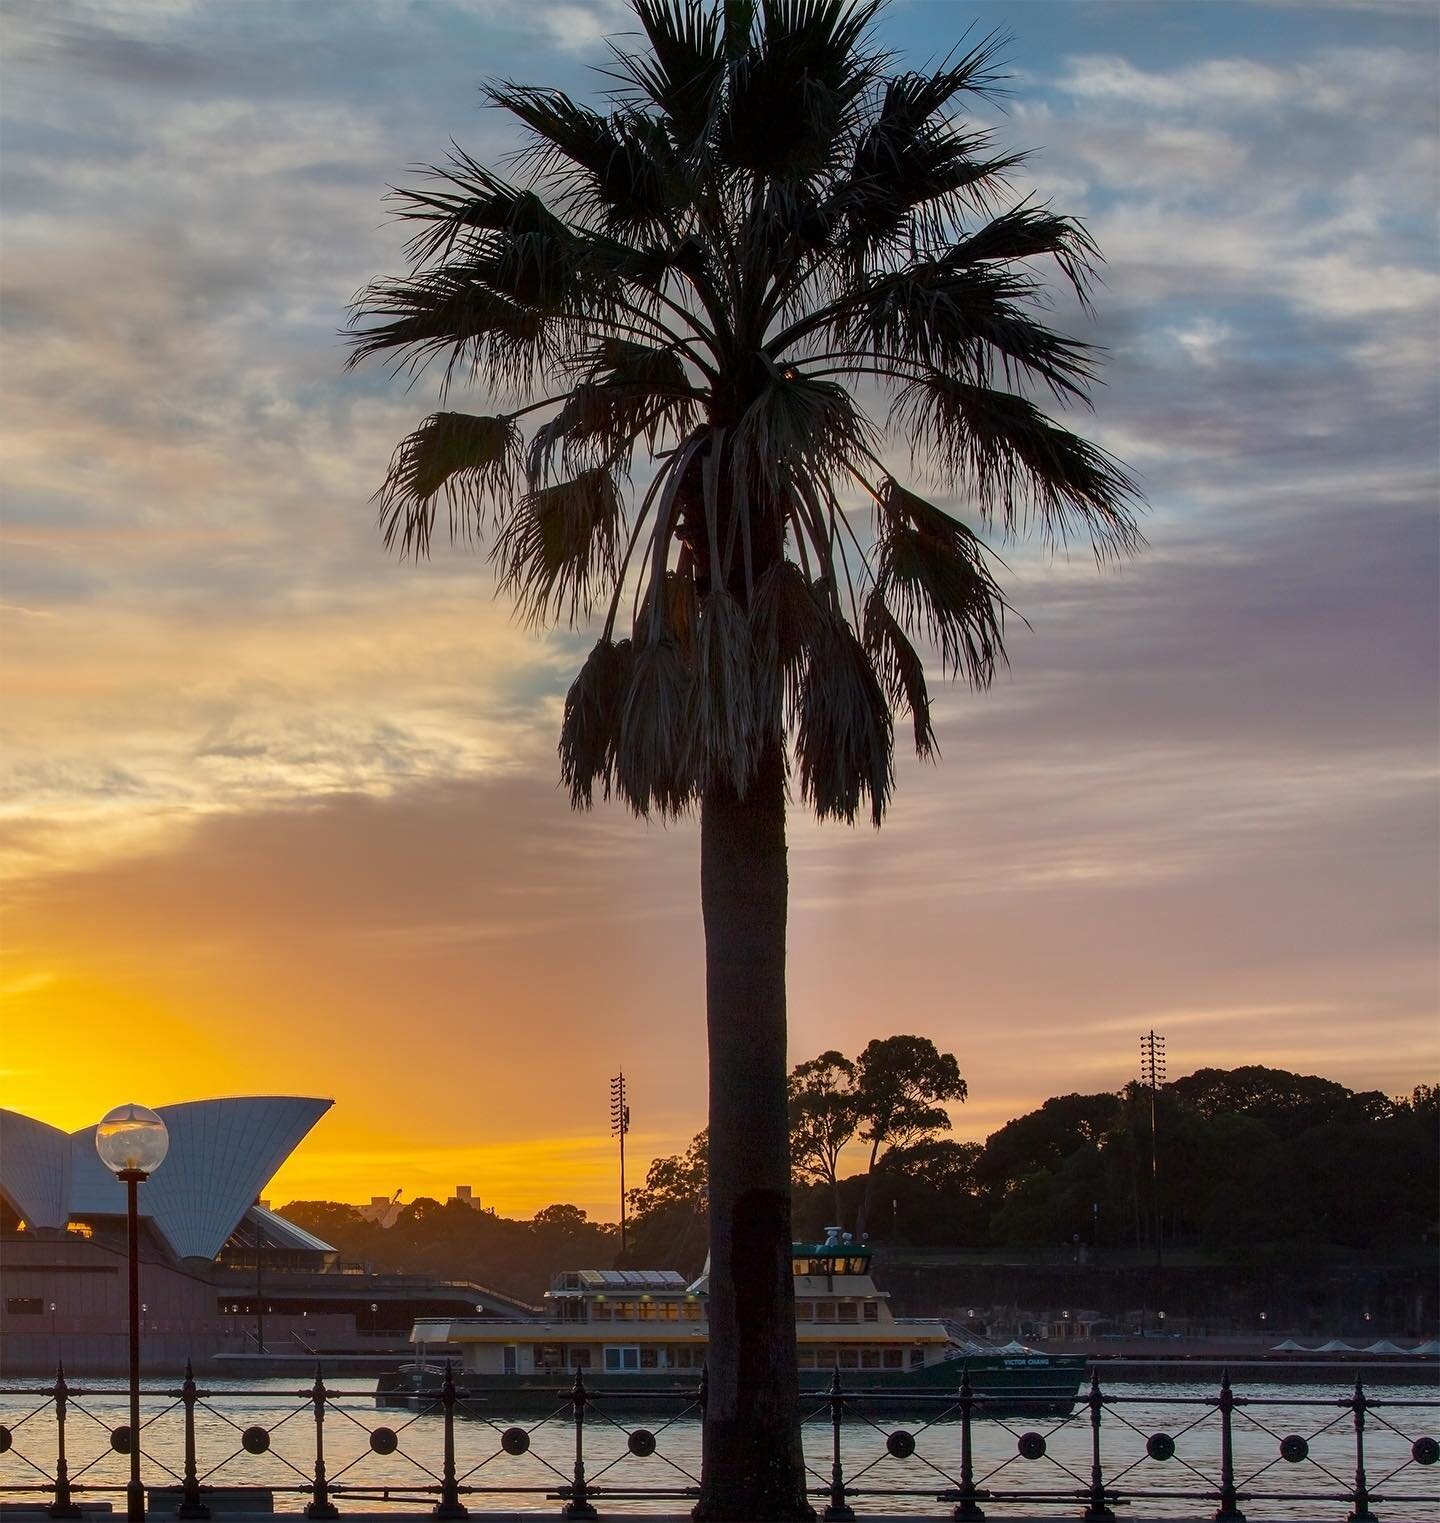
(1042, 1385)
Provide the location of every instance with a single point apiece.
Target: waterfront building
(220, 1270)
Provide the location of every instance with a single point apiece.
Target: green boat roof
(829, 1250)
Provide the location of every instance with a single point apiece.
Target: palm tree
(713, 305)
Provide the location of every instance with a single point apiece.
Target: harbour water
(525, 1481)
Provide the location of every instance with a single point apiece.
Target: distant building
(383, 1210)
(465, 1196)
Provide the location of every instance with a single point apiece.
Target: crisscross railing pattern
(456, 1452)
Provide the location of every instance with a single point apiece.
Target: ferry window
(849, 1312)
(869, 1358)
(853, 1266)
(649, 1359)
(872, 1311)
(579, 1358)
(549, 1356)
(849, 1359)
(824, 1311)
(805, 1358)
(804, 1311)
(617, 1359)
(894, 1359)
(599, 1311)
(511, 1357)
(24, 1306)
(917, 1358)
(672, 1311)
(693, 1311)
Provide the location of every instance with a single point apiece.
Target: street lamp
(132, 1143)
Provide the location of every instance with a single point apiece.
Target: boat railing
(459, 1453)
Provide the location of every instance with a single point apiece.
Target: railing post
(839, 1511)
(1097, 1511)
(320, 1506)
(62, 1506)
(1360, 1512)
(449, 1505)
(1229, 1509)
(579, 1504)
(968, 1509)
(190, 1504)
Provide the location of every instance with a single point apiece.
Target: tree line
(1247, 1162)
(1251, 1162)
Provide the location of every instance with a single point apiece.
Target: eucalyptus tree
(705, 313)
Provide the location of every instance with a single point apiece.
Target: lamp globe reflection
(131, 1139)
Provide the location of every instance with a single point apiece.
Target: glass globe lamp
(131, 1139)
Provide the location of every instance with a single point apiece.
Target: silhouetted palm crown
(722, 303)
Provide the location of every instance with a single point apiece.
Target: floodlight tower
(1152, 1076)
(619, 1127)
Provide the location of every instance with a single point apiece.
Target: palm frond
(900, 669)
(798, 427)
(556, 551)
(449, 313)
(966, 320)
(471, 460)
(844, 737)
(590, 729)
(620, 163)
(794, 87)
(1028, 232)
(1020, 465)
(933, 570)
(470, 200)
(682, 78)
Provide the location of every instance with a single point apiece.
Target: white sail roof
(222, 1153)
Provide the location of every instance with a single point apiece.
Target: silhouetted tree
(824, 1117)
(902, 1084)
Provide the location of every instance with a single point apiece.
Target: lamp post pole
(132, 1142)
(134, 1491)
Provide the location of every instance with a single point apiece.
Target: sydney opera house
(222, 1277)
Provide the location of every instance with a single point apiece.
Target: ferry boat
(632, 1333)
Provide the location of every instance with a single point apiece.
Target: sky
(279, 813)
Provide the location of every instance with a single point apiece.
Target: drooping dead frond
(557, 550)
(1019, 465)
(933, 570)
(590, 730)
(785, 621)
(471, 460)
(844, 738)
(654, 759)
(679, 612)
(900, 669)
(723, 722)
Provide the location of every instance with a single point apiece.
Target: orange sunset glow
(279, 812)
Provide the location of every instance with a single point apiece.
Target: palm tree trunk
(752, 1467)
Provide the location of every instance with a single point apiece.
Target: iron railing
(957, 1448)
